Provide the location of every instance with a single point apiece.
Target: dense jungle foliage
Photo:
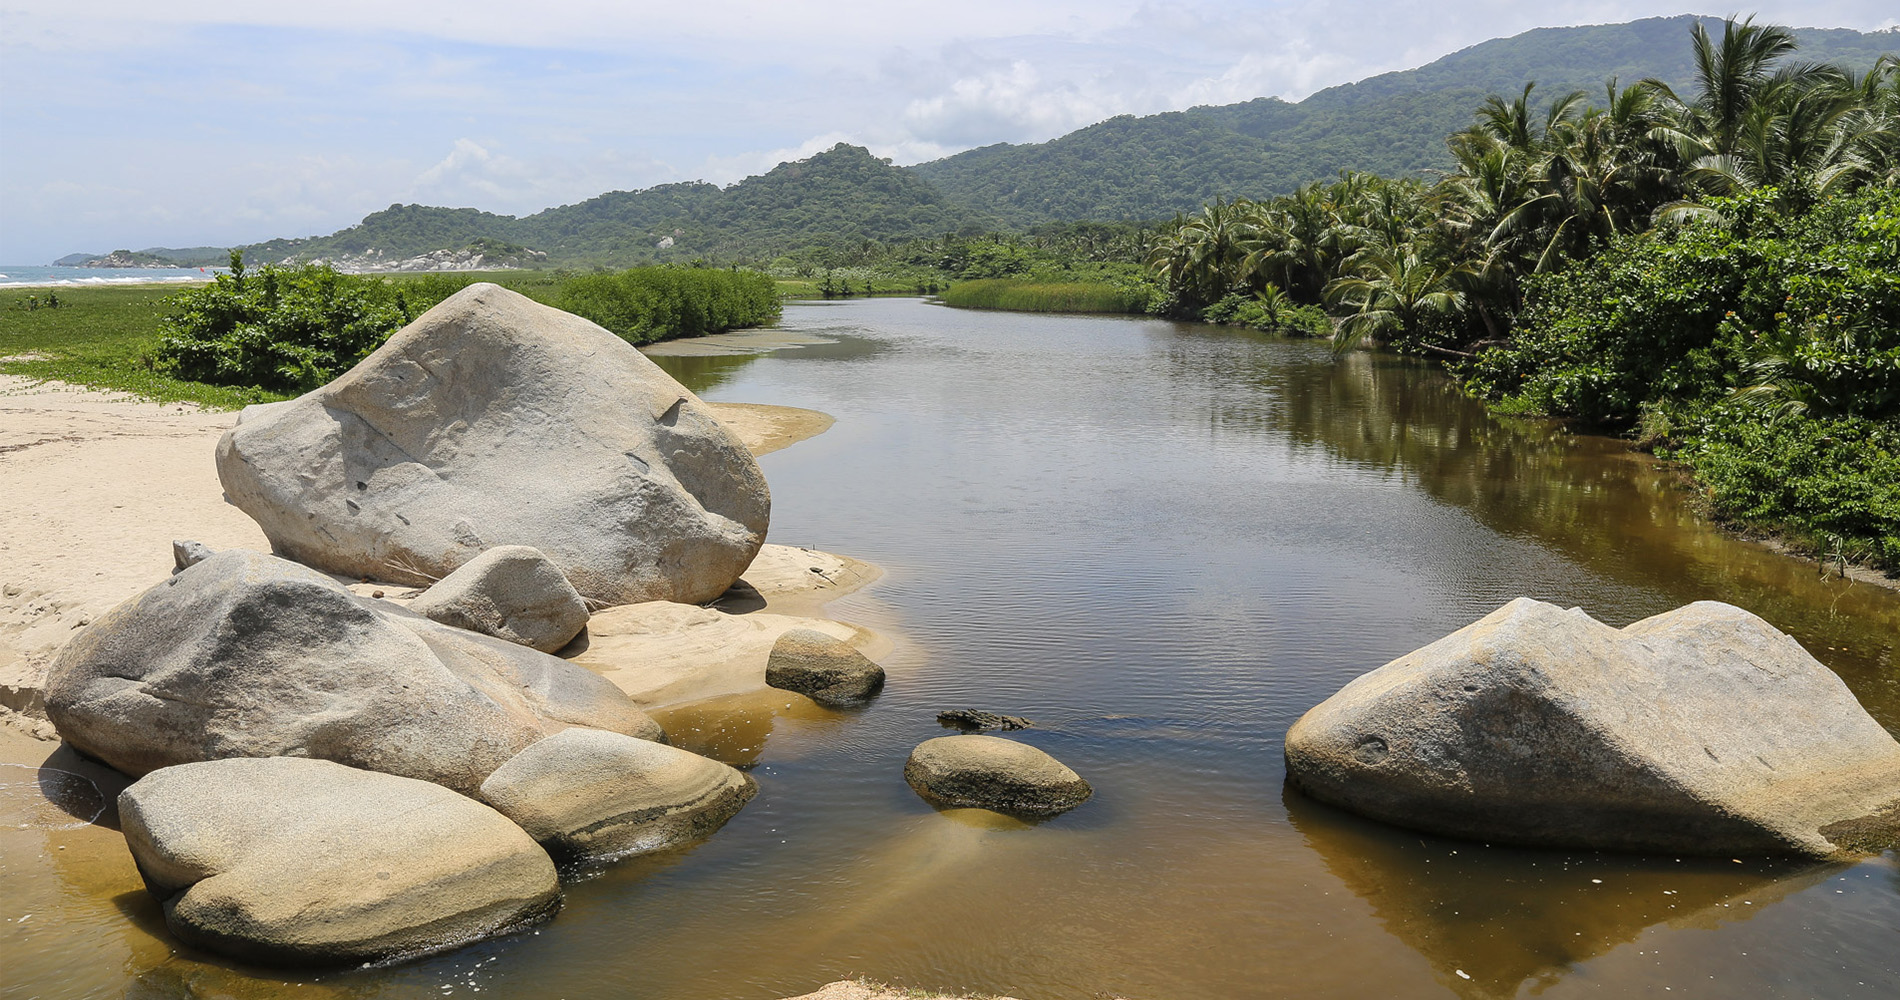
(1716, 270)
(289, 329)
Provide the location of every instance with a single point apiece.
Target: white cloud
(221, 121)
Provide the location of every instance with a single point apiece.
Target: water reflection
(1616, 512)
(1495, 922)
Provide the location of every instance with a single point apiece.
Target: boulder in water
(1702, 730)
(828, 671)
(597, 795)
(990, 772)
(495, 420)
(307, 862)
(511, 592)
(248, 655)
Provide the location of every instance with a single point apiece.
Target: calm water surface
(1163, 543)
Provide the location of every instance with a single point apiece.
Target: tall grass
(654, 303)
(1049, 297)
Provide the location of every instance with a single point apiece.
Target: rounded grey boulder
(994, 773)
(495, 420)
(306, 862)
(248, 655)
(597, 795)
(828, 671)
(1702, 730)
(511, 592)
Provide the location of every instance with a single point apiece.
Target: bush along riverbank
(1715, 274)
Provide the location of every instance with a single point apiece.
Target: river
(1163, 543)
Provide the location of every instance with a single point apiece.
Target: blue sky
(139, 124)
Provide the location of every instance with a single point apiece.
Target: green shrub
(285, 329)
(1270, 311)
(1806, 308)
(1832, 485)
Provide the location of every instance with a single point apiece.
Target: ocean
(27, 276)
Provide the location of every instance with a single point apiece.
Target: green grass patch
(1045, 297)
(102, 338)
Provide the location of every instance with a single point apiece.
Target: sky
(136, 124)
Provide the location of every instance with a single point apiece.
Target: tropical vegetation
(1715, 269)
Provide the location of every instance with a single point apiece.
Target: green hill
(1393, 124)
(841, 197)
(1126, 168)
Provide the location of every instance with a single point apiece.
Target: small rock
(994, 773)
(597, 795)
(974, 719)
(828, 671)
(186, 554)
(295, 861)
(511, 592)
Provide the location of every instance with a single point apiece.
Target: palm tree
(1397, 295)
(1731, 78)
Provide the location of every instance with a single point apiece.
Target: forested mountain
(1126, 168)
(840, 197)
(1393, 124)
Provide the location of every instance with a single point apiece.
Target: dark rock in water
(973, 720)
(993, 773)
(826, 670)
(1702, 730)
(306, 862)
(188, 554)
(248, 655)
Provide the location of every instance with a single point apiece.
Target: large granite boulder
(1703, 730)
(511, 592)
(295, 861)
(596, 795)
(248, 655)
(494, 420)
(989, 772)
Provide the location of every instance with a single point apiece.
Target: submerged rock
(494, 420)
(511, 592)
(994, 773)
(595, 795)
(974, 719)
(294, 861)
(1702, 730)
(829, 671)
(248, 655)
